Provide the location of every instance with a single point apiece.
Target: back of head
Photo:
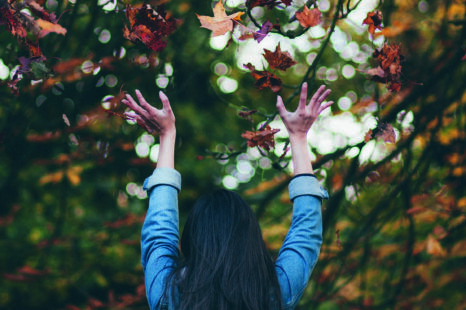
(226, 264)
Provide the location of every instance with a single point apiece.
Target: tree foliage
(391, 153)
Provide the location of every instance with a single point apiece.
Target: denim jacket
(296, 259)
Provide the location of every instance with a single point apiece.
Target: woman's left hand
(150, 118)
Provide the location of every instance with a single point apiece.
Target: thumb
(280, 106)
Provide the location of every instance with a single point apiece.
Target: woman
(225, 263)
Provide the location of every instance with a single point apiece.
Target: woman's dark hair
(225, 263)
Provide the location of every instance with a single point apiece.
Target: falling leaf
(397, 28)
(149, 26)
(278, 59)
(262, 137)
(389, 69)
(262, 33)
(246, 114)
(39, 11)
(265, 79)
(73, 175)
(47, 27)
(374, 20)
(309, 18)
(389, 58)
(220, 23)
(433, 247)
(54, 177)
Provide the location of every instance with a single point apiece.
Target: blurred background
(71, 169)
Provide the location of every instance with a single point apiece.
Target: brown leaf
(278, 59)
(246, 114)
(265, 79)
(220, 23)
(374, 20)
(149, 26)
(262, 137)
(309, 18)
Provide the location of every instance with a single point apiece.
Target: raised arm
(298, 124)
(155, 120)
(160, 231)
(301, 247)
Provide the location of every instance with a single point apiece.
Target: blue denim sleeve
(160, 232)
(300, 250)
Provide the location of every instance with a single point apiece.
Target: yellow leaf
(220, 23)
(73, 175)
(47, 27)
(54, 177)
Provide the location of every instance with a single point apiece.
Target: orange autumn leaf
(374, 20)
(220, 23)
(47, 27)
(54, 177)
(397, 28)
(309, 18)
(278, 59)
(262, 137)
(433, 247)
(265, 79)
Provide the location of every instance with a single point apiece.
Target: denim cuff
(306, 185)
(165, 176)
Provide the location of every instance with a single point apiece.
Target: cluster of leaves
(20, 23)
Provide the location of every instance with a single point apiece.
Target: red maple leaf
(262, 137)
(278, 59)
(149, 26)
(309, 18)
(374, 20)
(265, 79)
(389, 69)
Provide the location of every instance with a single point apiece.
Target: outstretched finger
(303, 96)
(280, 106)
(131, 103)
(143, 101)
(325, 106)
(165, 101)
(317, 94)
(324, 96)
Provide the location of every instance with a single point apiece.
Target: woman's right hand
(150, 118)
(300, 121)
